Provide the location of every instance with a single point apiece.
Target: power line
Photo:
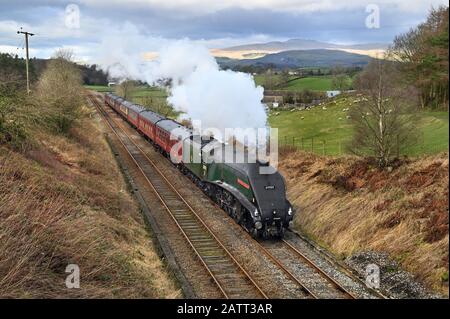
(27, 34)
(20, 47)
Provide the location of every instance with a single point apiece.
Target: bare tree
(340, 80)
(59, 88)
(384, 119)
(126, 89)
(284, 77)
(64, 54)
(270, 81)
(158, 105)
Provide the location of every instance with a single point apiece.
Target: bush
(12, 126)
(60, 92)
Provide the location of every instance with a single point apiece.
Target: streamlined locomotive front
(275, 211)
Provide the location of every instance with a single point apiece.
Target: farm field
(99, 88)
(328, 131)
(142, 91)
(314, 83)
(260, 78)
(318, 83)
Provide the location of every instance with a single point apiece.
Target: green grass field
(315, 83)
(434, 137)
(142, 91)
(99, 88)
(309, 129)
(260, 79)
(319, 83)
(155, 94)
(329, 131)
(150, 91)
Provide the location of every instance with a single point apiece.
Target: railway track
(227, 273)
(229, 276)
(306, 272)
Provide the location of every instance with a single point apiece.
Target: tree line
(13, 70)
(423, 56)
(412, 75)
(54, 105)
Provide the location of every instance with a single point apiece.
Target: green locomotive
(254, 199)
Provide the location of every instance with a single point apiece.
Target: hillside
(328, 123)
(301, 59)
(63, 201)
(303, 44)
(350, 207)
(257, 50)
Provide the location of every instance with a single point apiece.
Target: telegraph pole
(26, 63)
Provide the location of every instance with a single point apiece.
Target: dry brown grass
(348, 205)
(65, 202)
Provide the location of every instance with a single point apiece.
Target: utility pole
(26, 63)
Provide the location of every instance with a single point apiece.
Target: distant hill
(257, 50)
(300, 59)
(303, 44)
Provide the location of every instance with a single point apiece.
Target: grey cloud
(343, 25)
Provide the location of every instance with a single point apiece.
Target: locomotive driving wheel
(238, 213)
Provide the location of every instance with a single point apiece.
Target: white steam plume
(218, 98)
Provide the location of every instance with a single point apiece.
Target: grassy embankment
(348, 205)
(63, 201)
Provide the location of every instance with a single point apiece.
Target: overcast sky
(215, 23)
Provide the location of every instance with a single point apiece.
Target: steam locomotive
(255, 201)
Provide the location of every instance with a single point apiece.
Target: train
(255, 201)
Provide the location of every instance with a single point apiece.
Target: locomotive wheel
(237, 212)
(254, 233)
(281, 232)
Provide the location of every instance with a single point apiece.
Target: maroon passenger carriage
(154, 126)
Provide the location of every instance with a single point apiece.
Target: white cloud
(96, 25)
(299, 6)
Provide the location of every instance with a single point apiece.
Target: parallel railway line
(231, 278)
(314, 280)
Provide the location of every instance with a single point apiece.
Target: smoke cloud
(218, 98)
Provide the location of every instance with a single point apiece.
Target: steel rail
(330, 279)
(274, 259)
(222, 289)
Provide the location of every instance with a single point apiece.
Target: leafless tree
(126, 89)
(59, 89)
(158, 105)
(340, 80)
(64, 54)
(384, 119)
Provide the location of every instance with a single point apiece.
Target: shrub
(12, 126)
(59, 90)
